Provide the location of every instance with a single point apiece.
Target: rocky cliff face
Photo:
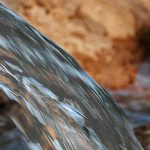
(102, 35)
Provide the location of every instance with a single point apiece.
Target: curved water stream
(60, 106)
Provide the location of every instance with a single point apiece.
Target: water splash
(61, 106)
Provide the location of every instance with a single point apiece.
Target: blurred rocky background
(111, 41)
(102, 35)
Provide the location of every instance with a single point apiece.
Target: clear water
(60, 106)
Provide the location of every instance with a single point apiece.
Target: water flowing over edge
(61, 106)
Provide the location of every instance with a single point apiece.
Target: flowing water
(59, 105)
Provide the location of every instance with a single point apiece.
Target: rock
(143, 134)
(101, 35)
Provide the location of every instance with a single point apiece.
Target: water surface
(60, 106)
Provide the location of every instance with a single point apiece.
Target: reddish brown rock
(100, 34)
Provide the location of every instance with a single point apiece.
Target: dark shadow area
(10, 136)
